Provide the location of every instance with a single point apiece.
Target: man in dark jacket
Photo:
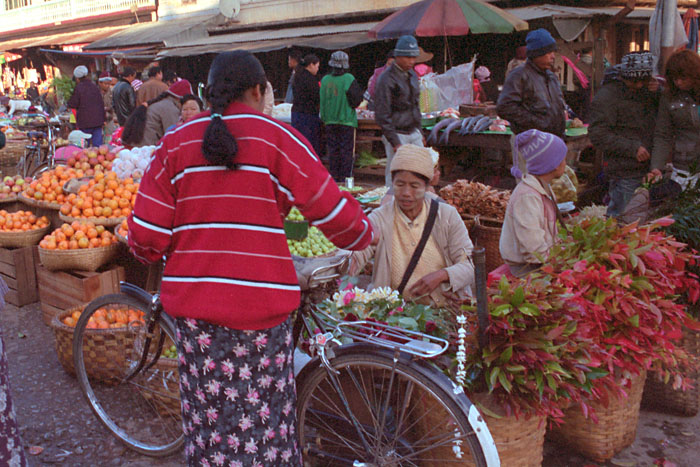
(623, 116)
(123, 95)
(531, 97)
(89, 106)
(396, 101)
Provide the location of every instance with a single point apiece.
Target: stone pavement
(54, 416)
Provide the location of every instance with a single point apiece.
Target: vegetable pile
(474, 198)
(603, 308)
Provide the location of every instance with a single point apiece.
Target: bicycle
(374, 402)
(35, 160)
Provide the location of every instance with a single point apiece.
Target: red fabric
(228, 259)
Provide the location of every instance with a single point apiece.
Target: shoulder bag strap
(429, 223)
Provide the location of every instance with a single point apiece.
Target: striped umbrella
(690, 23)
(447, 18)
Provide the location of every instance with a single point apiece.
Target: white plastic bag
(429, 94)
(456, 85)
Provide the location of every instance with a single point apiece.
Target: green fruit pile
(170, 352)
(314, 245)
(295, 215)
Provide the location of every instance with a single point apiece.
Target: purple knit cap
(542, 152)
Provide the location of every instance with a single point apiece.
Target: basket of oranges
(104, 200)
(22, 228)
(81, 246)
(46, 191)
(122, 232)
(109, 339)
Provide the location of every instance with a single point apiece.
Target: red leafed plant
(603, 306)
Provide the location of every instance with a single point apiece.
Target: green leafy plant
(64, 86)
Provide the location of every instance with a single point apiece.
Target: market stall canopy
(447, 18)
(161, 33)
(666, 32)
(534, 12)
(75, 37)
(690, 23)
(331, 37)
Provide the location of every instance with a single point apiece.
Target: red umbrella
(447, 18)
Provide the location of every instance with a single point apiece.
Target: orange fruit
(76, 315)
(69, 321)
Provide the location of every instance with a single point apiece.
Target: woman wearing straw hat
(423, 249)
(340, 95)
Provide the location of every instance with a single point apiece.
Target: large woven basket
(87, 259)
(106, 221)
(106, 351)
(615, 430)
(120, 237)
(487, 233)
(520, 441)
(10, 199)
(21, 239)
(164, 387)
(39, 204)
(660, 396)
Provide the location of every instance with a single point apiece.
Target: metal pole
(479, 259)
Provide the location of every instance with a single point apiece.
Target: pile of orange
(108, 317)
(78, 235)
(123, 229)
(21, 221)
(105, 196)
(48, 186)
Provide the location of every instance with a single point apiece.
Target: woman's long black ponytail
(230, 75)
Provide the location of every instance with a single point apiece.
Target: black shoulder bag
(429, 223)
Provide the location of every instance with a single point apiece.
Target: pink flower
(251, 447)
(244, 373)
(231, 394)
(348, 298)
(253, 398)
(212, 415)
(264, 412)
(233, 442)
(214, 438)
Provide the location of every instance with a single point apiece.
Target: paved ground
(54, 416)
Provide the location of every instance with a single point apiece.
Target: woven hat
(339, 59)
(406, 46)
(539, 42)
(542, 152)
(423, 56)
(80, 71)
(414, 159)
(180, 88)
(636, 66)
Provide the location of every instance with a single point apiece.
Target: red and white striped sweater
(222, 230)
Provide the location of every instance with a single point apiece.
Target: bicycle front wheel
(141, 407)
(378, 412)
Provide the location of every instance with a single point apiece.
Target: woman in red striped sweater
(213, 201)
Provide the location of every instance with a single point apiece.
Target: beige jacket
(530, 226)
(449, 233)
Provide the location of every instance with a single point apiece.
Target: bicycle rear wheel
(402, 416)
(141, 408)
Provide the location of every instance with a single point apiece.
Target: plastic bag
(429, 94)
(566, 186)
(456, 85)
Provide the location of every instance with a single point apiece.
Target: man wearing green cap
(396, 99)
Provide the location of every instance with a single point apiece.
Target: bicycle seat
(36, 135)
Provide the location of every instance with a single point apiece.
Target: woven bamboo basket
(615, 430)
(9, 199)
(520, 441)
(660, 396)
(39, 204)
(21, 239)
(88, 259)
(164, 386)
(120, 237)
(107, 352)
(487, 233)
(106, 221)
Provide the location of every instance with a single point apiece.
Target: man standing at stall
(531, 97)
(124, 96)
(623, 117)
(396, 101)
(152, 88)
(89, 106)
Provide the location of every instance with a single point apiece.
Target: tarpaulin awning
(530, 13)
(161, 33)
(331, 37)
(75, 37)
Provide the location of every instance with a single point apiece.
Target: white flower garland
(461, 350)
